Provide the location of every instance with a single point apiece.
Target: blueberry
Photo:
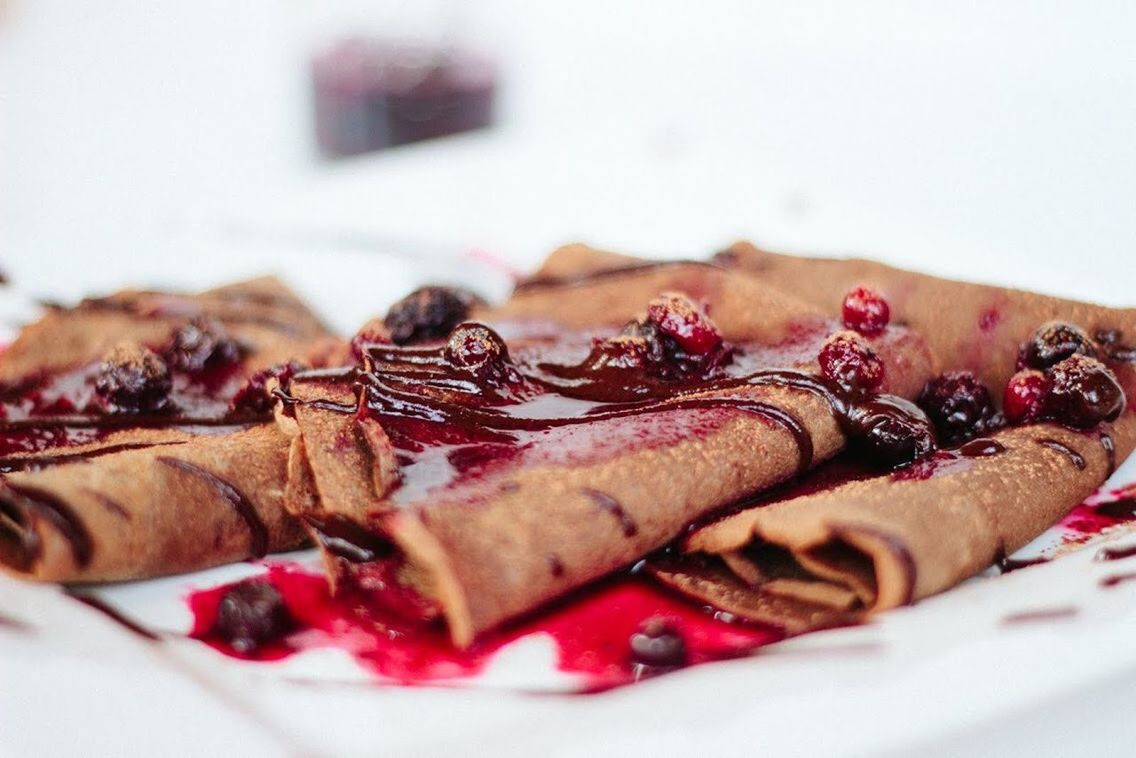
(657, 645)
(202, 344)
(1083, 393)
(250, 614)
(428, 313)
(133, 379)
(959, 405)
(1054, 342)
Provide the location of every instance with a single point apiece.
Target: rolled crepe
(976, 327)
(99, 495)
(840, 552)
(263, 315)
(836, 555)
(558, 505)
(164, 509)
(970, 326)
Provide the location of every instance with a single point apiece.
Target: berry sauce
(84, 405)
(598, 632)
(1101, 512)
(465, 413)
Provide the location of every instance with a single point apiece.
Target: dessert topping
(202, 344)
(428, 313)
(1054, 342)
(252, 613)
(1065, 381)
(1023, 400)
(1083, 392)
(890, 431)
(132, 379)
(687, 324)
(959, 405)
(656, 646)
(254, 396)
(847, 359)
(866, 311)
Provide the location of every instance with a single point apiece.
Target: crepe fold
(970, 326)
(165, 509)
(836, 555)
(269, 320)
(93, 493)
(565, 504)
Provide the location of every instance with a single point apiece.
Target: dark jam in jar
(371, 94)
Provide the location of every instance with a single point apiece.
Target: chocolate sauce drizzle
(36, 462)
(608, 503)
(418, 385)
(258, 531)
(1121, 509)
(29, 502)
(344, 538)
(982, 447)
(1074, 457)
(1006, 565)
(1109, 445)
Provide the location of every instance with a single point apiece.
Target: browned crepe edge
(970, 326)
(892, 541)
(262, 314)
(146, 517)
(482, 579)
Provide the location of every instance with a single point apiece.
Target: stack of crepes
(720, 423)
(615, 409)
(137, 432)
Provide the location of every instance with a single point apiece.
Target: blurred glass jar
(372, 93)
(388, 72)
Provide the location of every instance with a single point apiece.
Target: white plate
(75, 681)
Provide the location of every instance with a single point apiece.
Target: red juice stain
(591, 630)
(989, 319)
(1091, 518)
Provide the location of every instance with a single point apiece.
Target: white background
(168, 141)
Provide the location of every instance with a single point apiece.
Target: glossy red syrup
(591, 630)
(1101, 512)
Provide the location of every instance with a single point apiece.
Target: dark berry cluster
(202, 344)
(960, 406)
(677, 340)
(428, 313)
(133, 379)
(1062, 379)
